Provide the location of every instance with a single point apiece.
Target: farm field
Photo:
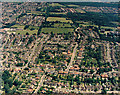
(73, 5)
(57, 30)
(36, 12)
(58, 13)
(61, 25)
(58, 19)
(56, 4)
(22, 31)
(25, 31)
(80, 10)
(18, 26)
(105, 27)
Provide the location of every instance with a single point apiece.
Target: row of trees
(8, 82)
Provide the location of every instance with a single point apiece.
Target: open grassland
(18, 26)
(56, 4)
(25, 31)
(20, 29)
(82, 22)
(36, 12)
(61, 25)
(57, 30)
(73, 5)
(58, 19)
(88, 25)
(105, 27)
(58, 13)
(22, 26)
(80, 11)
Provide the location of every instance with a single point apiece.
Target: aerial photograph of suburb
(59, 47)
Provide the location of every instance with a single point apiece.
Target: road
(108, 54)
(40, 83)
(113, 56)
(72, 58)
(41, 44)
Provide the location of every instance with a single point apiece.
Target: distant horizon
(59, 0)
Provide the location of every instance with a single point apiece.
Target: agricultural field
(56, 4)
(106, 27)
(25, 31)
(36, 13)
(18, 26)
(73, 5)
(61, 25)
(57, 13)
(57, 30)
(80, 10)
(20, 29)
(51, 19)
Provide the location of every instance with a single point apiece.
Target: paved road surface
(40, 83)
(72, 58)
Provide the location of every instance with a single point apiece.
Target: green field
(73, 5)
(56, 4)
(36, 12)
(58, 19)
(80, 11)
(57, 13)
(105, 27)
(25, 31)
(61, 25)
(18, 26)
(57, 30)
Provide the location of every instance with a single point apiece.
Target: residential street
(72, 58)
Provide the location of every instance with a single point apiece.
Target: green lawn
(58, 19)
(57, 30)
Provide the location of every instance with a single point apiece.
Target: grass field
(24, 31)
(82, 22)
(58, 19)
(61, 25)
(80, 11)
(105, 27)
(57, 13)
(56, 4)
(57, 30)
(36, 12)
(73, 5)
(18, 26)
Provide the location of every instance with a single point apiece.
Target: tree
(23, 86)
(91, 71)
(104, 91)
(10, 82)
(16, 82)
(6, 75)
(27, 33)
(26, 26)
(7, 88)
(95, 89)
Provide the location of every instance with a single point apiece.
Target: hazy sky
(61, 0)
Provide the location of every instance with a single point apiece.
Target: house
(30, 90)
